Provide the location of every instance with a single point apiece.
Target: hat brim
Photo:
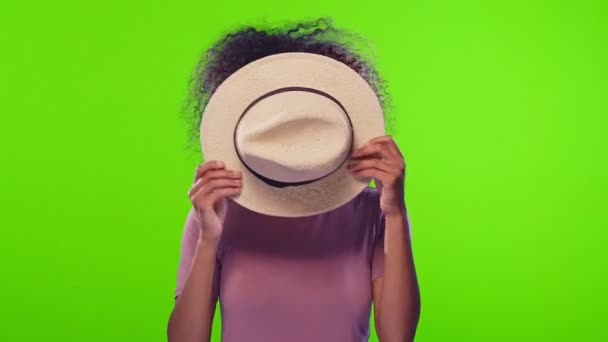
(292, 69)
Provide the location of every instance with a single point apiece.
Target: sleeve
(188, 248)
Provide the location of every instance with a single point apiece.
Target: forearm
(192, 316)
(399, 309)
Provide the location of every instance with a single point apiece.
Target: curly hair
(248, 43)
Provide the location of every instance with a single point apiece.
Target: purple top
(295, 279)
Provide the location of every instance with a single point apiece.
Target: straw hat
(289, 122)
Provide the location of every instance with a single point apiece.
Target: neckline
(239, 207)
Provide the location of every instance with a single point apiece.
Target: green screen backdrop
(500, 112)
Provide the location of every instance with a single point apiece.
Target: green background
(500, 112)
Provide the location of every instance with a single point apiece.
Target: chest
(303, 265)
(255, 281)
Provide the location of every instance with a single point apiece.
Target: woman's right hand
(213, 182)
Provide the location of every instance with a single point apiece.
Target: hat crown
(294, 136)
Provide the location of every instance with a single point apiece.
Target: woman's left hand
(381, 159)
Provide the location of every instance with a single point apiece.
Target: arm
(396, 294)
(192, 315)
(199, 270)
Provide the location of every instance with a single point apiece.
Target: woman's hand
(211, 185)
(381, 159)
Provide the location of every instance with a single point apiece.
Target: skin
(192, 316)
(395, 295)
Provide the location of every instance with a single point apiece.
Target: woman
(310, 278)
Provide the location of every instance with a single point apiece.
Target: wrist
(398, 218)
(208, 243)
(399, 212)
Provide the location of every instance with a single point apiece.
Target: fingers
(209, 169)
(207, 201)
(206, 197)
(375, 150)
(389, 141)
(379, 159)
(214, 174)
(219, 193)
(371, 148)
(369, 173)
(383, 147)
(208, 187)
(208, 165)
(212, 182)
(392, 150)
(382, 165)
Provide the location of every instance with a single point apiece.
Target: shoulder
(372, 201)
(368, 203)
